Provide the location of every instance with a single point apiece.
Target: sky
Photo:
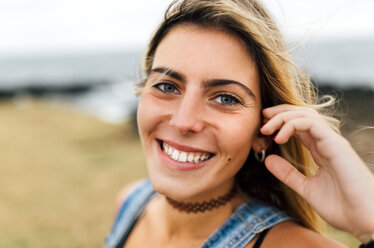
(57, 26)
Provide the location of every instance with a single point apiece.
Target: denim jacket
(237, 231)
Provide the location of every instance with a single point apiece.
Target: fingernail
(262, 126)
(275, 137)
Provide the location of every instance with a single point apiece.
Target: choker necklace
(203, 206)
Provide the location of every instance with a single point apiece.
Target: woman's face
(199, 115)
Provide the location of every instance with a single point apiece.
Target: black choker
(203, 206)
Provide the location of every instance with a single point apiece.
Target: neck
(180, 225)
(196, 207)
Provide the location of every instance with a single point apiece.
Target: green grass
(60, 171)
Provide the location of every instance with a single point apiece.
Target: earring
(263, 155)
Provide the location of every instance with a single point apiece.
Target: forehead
(206, 53)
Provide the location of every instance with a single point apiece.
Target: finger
(272, 111)
(305, 124)
(286, 173)
(279, 120)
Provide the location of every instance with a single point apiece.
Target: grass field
(59, 174)
(60, 171)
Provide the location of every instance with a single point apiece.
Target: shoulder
(289, 234)
(125, 192)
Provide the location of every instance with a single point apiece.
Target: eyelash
(235, 100)
(159, 85)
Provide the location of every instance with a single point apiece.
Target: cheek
(150, 113)
(238, 134)
(142, 116)
(145, 118)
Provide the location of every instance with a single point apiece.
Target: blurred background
(68, 142)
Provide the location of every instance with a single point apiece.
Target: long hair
(281, 82)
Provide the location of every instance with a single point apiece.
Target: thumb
(286, 173)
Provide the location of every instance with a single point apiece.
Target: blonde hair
(281, 82)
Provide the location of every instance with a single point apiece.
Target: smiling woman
(219, 94)
(199, 95)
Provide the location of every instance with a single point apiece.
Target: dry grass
(59, 173)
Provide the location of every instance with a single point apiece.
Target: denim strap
(239, 229)
(244, 224)
(129, 213)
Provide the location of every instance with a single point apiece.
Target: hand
(342, 190)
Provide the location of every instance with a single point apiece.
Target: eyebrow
(169, 72)
(207, 84)
(221, 82)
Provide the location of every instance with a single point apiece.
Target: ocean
(106, 80)
(100, 84)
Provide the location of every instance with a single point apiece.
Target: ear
(261, 142)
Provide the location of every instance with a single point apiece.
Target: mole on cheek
(229, 160)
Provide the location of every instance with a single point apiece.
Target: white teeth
(182, 157)
(190, 157)
(170, 151)
(202, 158)
(175, 155)
(197, 159)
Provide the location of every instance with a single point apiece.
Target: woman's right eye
(167, 87)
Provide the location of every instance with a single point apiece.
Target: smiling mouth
(184, 156)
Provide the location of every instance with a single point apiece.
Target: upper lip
(185, 148)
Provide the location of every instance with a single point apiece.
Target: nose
(188, 115)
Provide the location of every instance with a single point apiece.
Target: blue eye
(226, 99)
(167, 87)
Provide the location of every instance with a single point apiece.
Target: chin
(173, 188)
